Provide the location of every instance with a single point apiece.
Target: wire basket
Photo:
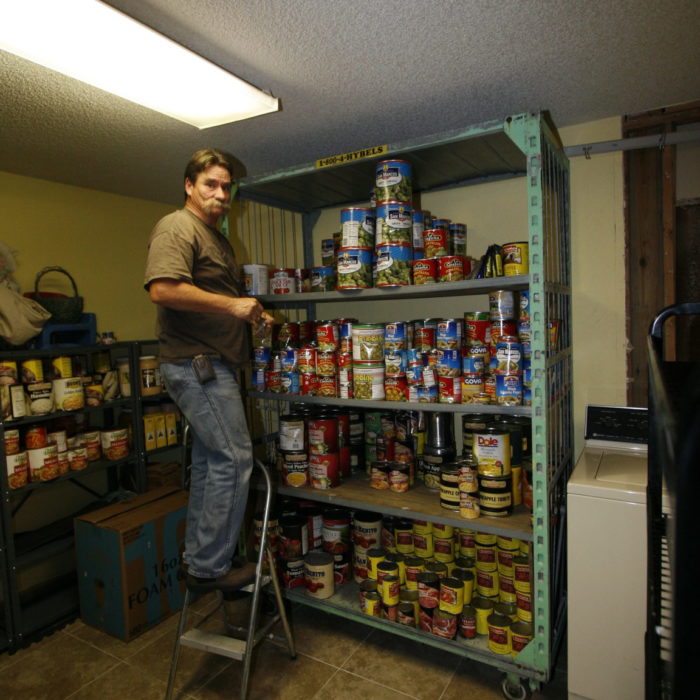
(62, 309)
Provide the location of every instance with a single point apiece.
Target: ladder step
(216, 643)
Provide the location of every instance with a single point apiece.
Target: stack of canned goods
(447, 581)
(393, 442)
(319, 446)
(444, 249)
(394, 223)
(311, 546)
(497, 351)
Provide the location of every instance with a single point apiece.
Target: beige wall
(99, 238)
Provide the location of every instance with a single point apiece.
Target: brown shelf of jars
(419, 502)
(394, 405)
(94, 466)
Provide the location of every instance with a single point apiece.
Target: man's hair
(205, 158)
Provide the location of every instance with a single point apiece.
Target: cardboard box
(164, 474)
(128, 558)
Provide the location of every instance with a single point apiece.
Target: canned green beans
(354, 268)
(357, 227)
(394, 223)
(394, 263)
(393, 181)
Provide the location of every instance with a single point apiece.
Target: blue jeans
(222, 461)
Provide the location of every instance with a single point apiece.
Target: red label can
(502, 328)
(327, 386)
(323, 435)
(327, 335)
(282, 281)
(396, 388)
(306, 360)
(435, 242)
(424, 338)
(273, 380)
(324, 470)
(477, 331)
(425, 271)
(467, 622)
(450, 268)
(308, 383)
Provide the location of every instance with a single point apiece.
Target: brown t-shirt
(183, 248)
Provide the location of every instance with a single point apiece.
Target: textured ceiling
(350, 75)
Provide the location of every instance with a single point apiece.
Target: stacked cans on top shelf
(386, 244)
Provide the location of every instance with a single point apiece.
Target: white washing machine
(607, 557)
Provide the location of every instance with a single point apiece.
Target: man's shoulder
(180, 225)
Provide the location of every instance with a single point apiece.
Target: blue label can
(262, 357)
(288, 360)
(395, 363)
(509, 389)
(258, 379)
(395, 335)
(449, 363)
(289, 383)
(357, 227)
(472, 363)
(449, 334)
(394, 223)
(394, 265)
(354, 268)
(524, 312)
(322, 279)
(393, 180)
(418, 228)
(428, 394)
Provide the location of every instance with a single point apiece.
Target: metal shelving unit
(30, 614)
(524, 146)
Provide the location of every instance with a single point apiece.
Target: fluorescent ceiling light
(93, 42)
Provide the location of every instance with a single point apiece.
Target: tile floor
(336, 660)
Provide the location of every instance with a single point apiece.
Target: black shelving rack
(673, 517)
(28, 615)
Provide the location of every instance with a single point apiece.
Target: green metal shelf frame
(523, 145)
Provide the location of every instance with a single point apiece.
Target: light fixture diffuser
(94, 43)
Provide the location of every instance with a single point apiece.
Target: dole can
(491, 448)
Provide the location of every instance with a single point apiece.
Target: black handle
(54, 269)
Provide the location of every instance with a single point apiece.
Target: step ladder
(229, 646)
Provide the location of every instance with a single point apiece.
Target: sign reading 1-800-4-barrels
(370, 152)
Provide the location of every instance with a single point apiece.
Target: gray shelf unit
(29, 615)
(525, 146)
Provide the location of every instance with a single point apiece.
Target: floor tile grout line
(381, 685)
(93, 680)
(452, 677)
(328, 680)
